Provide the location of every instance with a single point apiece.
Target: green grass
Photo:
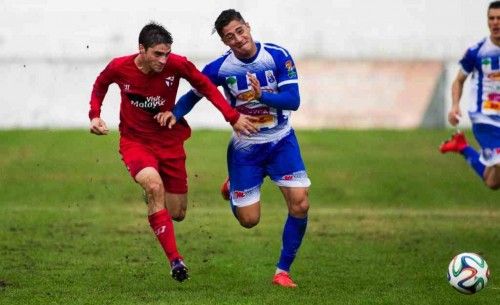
(387, 215)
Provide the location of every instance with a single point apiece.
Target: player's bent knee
(179, 216)
(304, 207)
(247, 221)
(492, 184)
(249, 215)
(248, 225)
(154, 187)
(492, 178)
(300, 209)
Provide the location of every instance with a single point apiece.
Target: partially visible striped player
(482, 62)
(260, 80)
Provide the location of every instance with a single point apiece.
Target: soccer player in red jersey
(152, 151)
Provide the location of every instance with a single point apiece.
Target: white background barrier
(52, 50)
(344, 94)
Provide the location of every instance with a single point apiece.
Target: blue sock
(472, 157)
(293, 232)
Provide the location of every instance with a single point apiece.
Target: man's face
(236, 35)
(155, 57)
(494, 23)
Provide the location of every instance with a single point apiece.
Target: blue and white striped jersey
(274, 68)
(482, 61)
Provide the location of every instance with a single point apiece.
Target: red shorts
(169, 161)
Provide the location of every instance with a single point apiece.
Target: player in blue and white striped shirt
(260, 80)
(482, 62)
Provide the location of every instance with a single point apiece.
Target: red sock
(163, 227)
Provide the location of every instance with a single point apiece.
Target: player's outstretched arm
(98, 127)
(185, 104)
(243, 125)
(206, 87)
(456, 93)
(100, 88)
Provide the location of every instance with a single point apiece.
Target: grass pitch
(388, 212)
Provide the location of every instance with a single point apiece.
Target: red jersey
(144, 95)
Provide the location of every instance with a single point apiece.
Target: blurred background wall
(383, 63)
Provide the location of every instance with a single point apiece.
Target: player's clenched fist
(98, 127)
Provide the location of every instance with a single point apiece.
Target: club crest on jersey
(290, 67)
(270, 76)
(231, 81)
(169, 80)
(486, 61)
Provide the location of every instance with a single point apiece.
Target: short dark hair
(225, 18)
(154, 33)
(494, 4)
